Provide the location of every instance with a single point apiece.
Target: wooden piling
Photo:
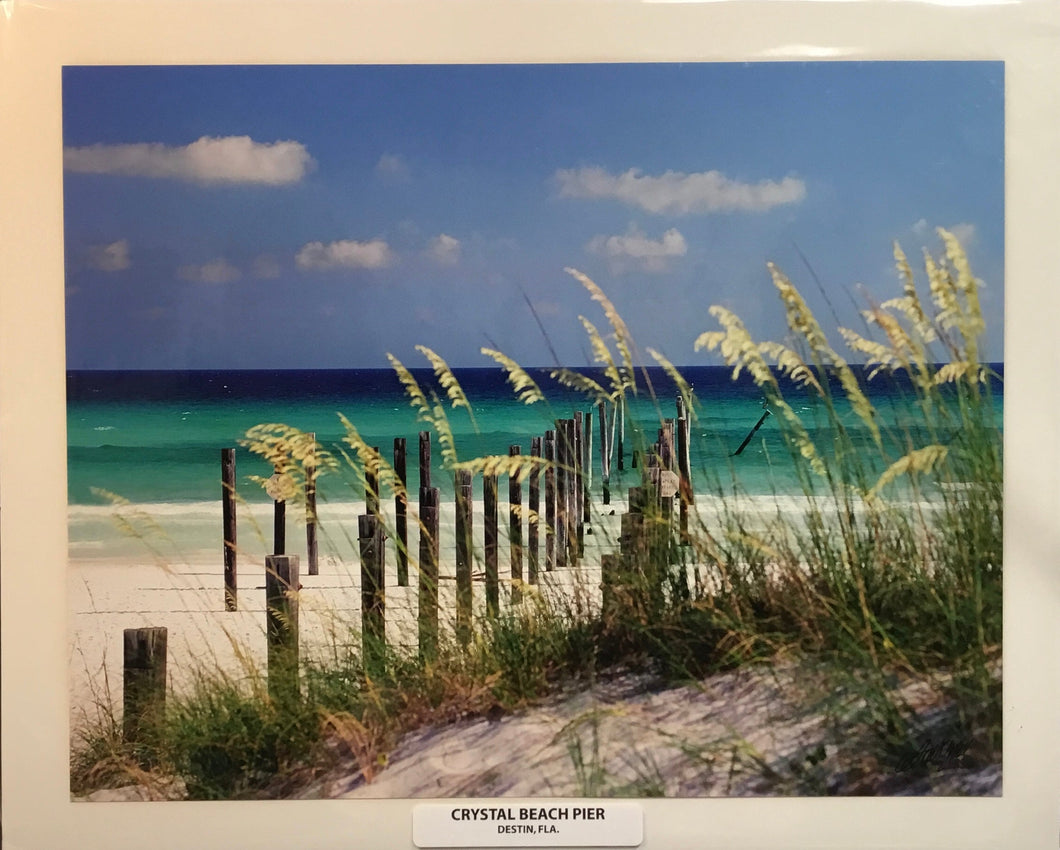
(534, 522)
(620, 415)
(463, 555)
(144, 675)
(587, 467)
(575, 542)
(371, 483)
(279, 526)
(311, 510)
(425, 459)
(515, 526)
(228, 525)
(489, 502)
(550, 500)
(371, 538)
(684, 467)
(579, 473)
(281, 624)
(401, 507)
(605, 454)
(427, 615)
(563, 474)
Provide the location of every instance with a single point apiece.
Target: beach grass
(885, 586)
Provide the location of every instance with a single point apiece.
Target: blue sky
(320, 217)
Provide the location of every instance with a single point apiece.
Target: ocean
(155, 437)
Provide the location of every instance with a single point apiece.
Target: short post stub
(144, 680)
(281, 623)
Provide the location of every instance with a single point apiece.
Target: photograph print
(534, 430)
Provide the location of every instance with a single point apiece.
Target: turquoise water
(154, 437)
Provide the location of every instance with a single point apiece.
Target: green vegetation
(891, 576)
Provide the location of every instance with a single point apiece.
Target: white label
(536, 824)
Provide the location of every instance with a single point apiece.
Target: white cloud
(444, 250)
(215, 271)
(635, 250)
(113, 257)
(677, 193)
(393, 166)
(345, 253)
(266, 266)
(231, 159)
(964, 231)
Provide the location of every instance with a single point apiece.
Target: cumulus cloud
(392, 166)
(229, 159)
(345, 253)
(112, 257)
(636, 251)
(964, 231)
(677, 193)
(215, 271)
(444, 250)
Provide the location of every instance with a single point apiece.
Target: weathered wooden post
(228, 525)
(550, 500)
(425, 459)
(463, 555)
(605, 454)
(574, 499)
(515, 526)
(279, 513)
(371, 483)
(144, 675)
(587, 467)
(401, 506)
(311, 508)
(579, 474)
(563, 472)
(489, 502)
(373, 592)
(684, 466)
(620, 415)
(532, 546)
(281, 624)
(427, 614)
